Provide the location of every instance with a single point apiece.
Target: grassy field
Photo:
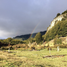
(20, 58)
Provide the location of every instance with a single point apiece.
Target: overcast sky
(19, 17)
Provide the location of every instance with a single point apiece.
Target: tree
(30, 40)
(9, 39)
(58, 14)
(57, 40)
(38, 37)
(64, 12)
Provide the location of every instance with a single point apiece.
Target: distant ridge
(26, 36)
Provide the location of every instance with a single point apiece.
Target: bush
(39, 47)
(58, 14)
(32, 47)
(38, 37)
(3, 48)
(42, 47)
(64, 12)
(19, 47)
(11, 48)
(49, 48)
(61, 46)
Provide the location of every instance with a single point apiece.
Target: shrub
(42, 47)
(3, 48)
(64, 12)
(49, 48)
(38, 37)
(32, 47)
(61, 46)
(58, 14)
(19, 47)
(11, 48)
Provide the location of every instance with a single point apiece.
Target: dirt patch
(64, 61)
(54, 56)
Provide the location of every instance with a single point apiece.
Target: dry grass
(19, 58)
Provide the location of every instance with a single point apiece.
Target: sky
(19, 17)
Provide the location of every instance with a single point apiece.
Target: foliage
(32, 47)
(38, 37)
(58, 14)
(57, 40)
(31, 40)
(64, 12)
(61, 46)
(49, 48)
(59, 29)
(16, 41)
(10, 41)
(63, 19)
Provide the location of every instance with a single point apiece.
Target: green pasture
(20, 58)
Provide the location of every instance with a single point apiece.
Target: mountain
(26, 36)
(57, 27)
(55, 20)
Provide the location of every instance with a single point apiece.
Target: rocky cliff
(55, 20)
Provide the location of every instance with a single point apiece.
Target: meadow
(20, 58)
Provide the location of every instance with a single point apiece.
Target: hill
(58, 27)
(60, 17)
(26, 36)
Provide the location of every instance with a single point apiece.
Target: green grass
(20, 58)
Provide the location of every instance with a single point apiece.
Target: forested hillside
(60, 28)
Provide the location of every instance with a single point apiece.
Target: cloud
(18, 17)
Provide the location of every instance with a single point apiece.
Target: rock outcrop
(59, 18)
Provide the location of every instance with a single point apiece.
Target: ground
(20, 58)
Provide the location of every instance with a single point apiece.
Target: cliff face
(59, 18)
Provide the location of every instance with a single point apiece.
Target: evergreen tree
(38, 37)
(58, 14)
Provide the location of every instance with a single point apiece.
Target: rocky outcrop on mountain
(57, 27)
(59, 18)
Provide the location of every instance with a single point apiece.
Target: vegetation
(38, 37)
(19, 58)
(59, 29)
(58, 14)
(57, 40)
(20, 54)
(31, 40)
(10, 41)
(64, 12)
